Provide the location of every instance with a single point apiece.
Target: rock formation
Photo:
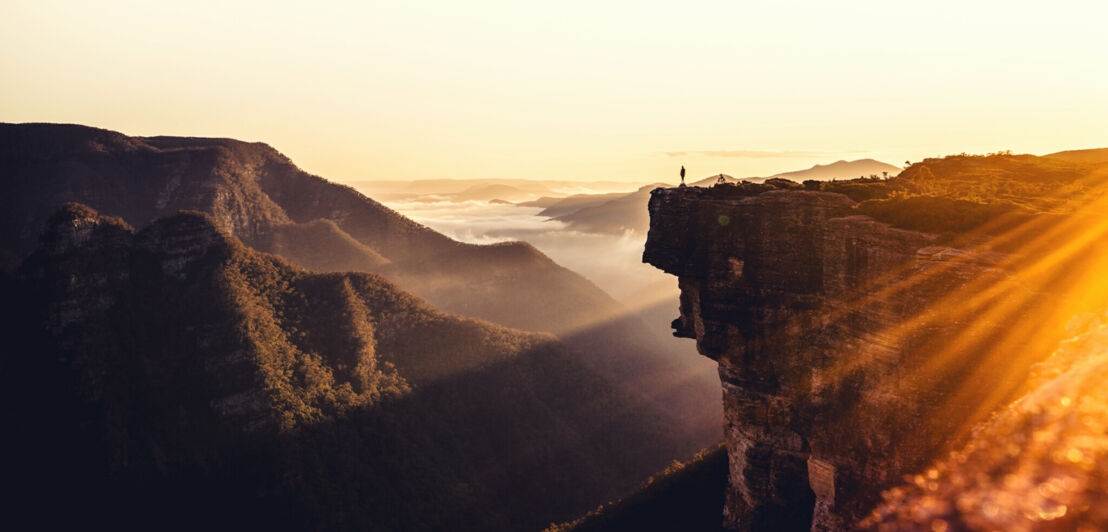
(851, 353)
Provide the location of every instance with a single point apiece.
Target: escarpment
(852, 353)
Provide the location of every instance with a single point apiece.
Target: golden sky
(569, 89)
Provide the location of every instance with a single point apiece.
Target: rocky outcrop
(850, 352)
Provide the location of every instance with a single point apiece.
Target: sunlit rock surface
(1039, 464)
(852, 354)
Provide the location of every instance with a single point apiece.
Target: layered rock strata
(834, 334)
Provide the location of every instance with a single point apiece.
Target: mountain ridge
(256, 195)
(261, 197)
(327, 400)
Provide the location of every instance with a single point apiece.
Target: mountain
(1053, 183)
(400, 190)
(841, 170)
(1094, 156)
(491, 192)
(819, 172)
(712, 180)
(172, 377)
(554, 207)
(258, 195)
(619, 213)
(687, 497)
(625, 213)
(616, 214)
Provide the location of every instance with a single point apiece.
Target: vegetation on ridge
(259, 196)
(962, 193)
(183, 380)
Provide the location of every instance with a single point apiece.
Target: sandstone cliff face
(828, 327)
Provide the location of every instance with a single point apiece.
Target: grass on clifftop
(960, 194)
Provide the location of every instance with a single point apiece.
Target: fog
(612, 262)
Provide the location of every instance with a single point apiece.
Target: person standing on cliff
(682, 175)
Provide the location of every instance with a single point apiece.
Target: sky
(582, 90)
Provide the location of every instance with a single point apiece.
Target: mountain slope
(1093, 156)
(256, 193)
(687, 497)
(555, 207)
(259, 196)
(626, 213)
(267, 395)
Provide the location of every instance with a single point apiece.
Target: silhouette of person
(682, 175)
(721, 180)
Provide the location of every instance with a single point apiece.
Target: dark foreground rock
(852, 353)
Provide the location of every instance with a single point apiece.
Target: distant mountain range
(1093, 156)
(174, 350)
(483, 189)
(819, 172)
(622, 213)
(842, 170)
(557, 206)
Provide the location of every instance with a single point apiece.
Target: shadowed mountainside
(264, 395)
(256, 194)
(685, 496)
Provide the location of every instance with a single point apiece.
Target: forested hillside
(178, 378)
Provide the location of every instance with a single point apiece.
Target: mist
(612, 262)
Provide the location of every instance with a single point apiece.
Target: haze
(569, 90)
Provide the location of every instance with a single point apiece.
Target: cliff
(852, 353)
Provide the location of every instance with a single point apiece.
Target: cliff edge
(852, 353)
